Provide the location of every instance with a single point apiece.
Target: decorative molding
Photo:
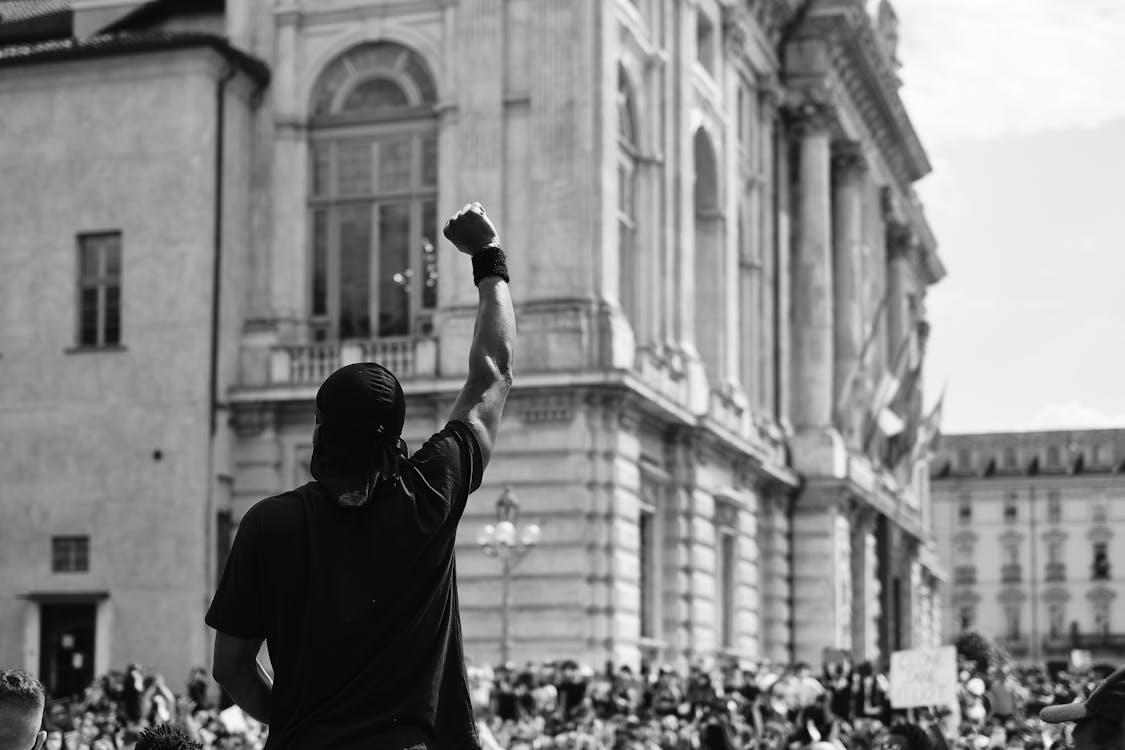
(542, 408)
(849, 160)
(1101, 594)
(1011, 595)
(807, 113)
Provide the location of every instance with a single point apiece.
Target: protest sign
(924, 677)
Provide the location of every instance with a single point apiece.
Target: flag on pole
(882, 416)
(929, 433)
(845, 398)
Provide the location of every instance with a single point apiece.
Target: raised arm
(481, 401)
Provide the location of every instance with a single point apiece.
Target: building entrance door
(66, 647)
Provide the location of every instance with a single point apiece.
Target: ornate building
(716, 255)
(1026, 522)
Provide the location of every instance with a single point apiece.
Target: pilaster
(865, 587)
(822, 580)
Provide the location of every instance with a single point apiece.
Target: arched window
(710, 301)
(629, 271)
(372, 195)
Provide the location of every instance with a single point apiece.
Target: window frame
(70, 553)
(101, 282)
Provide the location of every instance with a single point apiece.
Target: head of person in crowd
(1097, 721)
(167, 737)
(21, 711)
(357, 441)
(906, 736)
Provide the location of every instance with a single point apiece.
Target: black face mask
(353, 468)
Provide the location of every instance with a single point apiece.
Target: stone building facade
(716, 254)
(1026, 522)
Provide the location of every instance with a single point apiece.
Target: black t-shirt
(358, 607)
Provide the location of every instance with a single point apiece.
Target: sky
(1021, 107)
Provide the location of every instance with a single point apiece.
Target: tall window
(1053, 455)
(646, 523)
(70, 554)
(710, 297)
(1054, 506)
(964, 458)
(1054, 552)
(965, 508)
(627, 151)
(1056, 617)
(1101, 570)
(726, 553)
(372, 195)
(1010, 460)
(1101, 617)
(705, 45)
(967, 617)
(1012, 621)
(1011, 507)
(99, 289)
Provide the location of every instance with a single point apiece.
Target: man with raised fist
(350, 580)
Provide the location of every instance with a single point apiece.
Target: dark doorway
(66, 647)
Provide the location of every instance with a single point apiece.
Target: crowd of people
(569, 705)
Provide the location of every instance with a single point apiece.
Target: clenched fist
(470, 229)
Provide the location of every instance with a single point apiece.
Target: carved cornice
(855, 55)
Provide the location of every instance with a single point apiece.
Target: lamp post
(510, 544)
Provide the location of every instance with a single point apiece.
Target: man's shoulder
(286, 505)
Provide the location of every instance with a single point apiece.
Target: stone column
(864, 586)
(812, 304)
(765, 220)
(848, 166)
(900, 246)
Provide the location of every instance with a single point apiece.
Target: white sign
(924, 677)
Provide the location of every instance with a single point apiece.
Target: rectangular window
(965, 508)
(967, 618)
(1054, 506)
(99, 289)
(1011, 508)
(705, 41)
(70, 554)
(1012, 615)
(646, 523)
(1101, 562)
(727, 563)
(1056, 616)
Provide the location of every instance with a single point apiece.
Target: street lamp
(510, 544)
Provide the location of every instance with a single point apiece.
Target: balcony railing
(1011, 574)
(303, 364)
(1055, 572)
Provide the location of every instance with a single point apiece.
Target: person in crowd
(1097, 720)
(166, 737)
(21, 711)
(906, 736)
(350, 578)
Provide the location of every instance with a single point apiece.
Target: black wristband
(489, 262)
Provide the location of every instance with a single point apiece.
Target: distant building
(208, 206)
(1030, 524)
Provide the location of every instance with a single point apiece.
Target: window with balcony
(967, 617)
(99, 289)
(965, 574)
(629, 271)
(1099, 514)
(1056, 569)
(373, 176)
(964, 458)
(1011, 508)
(1053, 456)
(1101, 568)
(1054, 506)
(70, 554)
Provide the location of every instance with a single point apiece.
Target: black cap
(362, 400)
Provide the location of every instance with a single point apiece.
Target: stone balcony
(302, 364)
(1055, 572)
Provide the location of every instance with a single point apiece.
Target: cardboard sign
(1081, 659)
(924, 677)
